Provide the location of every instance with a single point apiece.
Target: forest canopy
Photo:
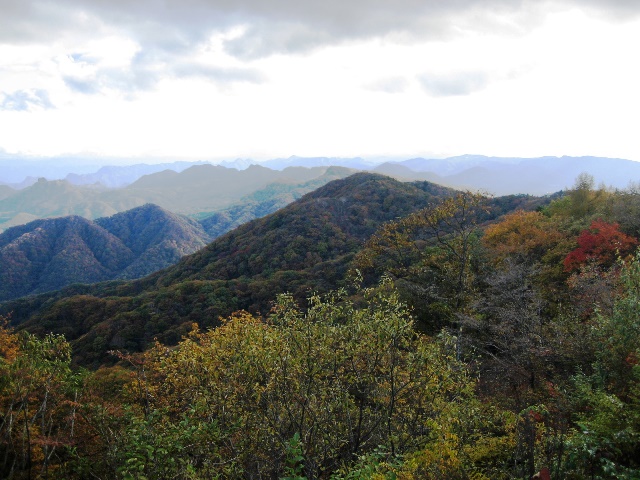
(461, 345)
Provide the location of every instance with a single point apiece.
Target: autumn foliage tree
(523, 236)
(431, 255)
(600, 244)
(342, 379)
(37, 404)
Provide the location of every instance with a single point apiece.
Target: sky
(225, 79)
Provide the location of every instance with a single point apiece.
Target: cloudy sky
(222, 79)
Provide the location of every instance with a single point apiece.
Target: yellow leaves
(344, 377)
(441, 458)
(401, 242)
(521, 233)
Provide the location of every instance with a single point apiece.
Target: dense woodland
(51, 253)
(372, 329)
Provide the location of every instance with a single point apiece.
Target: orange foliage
(8, 341)
(521, 233)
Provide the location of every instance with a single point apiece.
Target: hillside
(306, 246)
(203, 188)
(156, 237)
(49, 254)
(265, 201)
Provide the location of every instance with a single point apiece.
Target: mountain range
(143, 240)
(122, 175)
(304, 247)
(507, 176)
(198, 190)
(49, 254)
(497, 175)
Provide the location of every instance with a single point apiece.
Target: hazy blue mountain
(48, 254)
(200, 188)
(535, 176)
(204, 188)
(238, 163)
(14, 168)
(453, 165)
(118, 176)
(56, 198)
(497, 175)
(213, 188)
(295, 161)
(27, 182)
(402, 172)
(6, 191)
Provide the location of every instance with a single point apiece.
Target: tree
(600, 244)
(431, 254)
(583, 197)
(507, 331)
(607, 441)
(341, 378)
(38, 413)
(522, 236)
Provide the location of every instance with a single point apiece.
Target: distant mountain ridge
(6, 191)
(511, 175)
(522, 175)
(295, 161)
(49, 254)
(120, 176)
(198, 189)
(211, 189)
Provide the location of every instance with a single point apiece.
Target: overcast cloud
(346, 70)
(277, 26)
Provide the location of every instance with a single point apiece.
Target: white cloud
(252, 78)
(25, 100)
(388, 85)
(453, 84)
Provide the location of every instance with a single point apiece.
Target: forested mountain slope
(306, 246)
(49, 254)
(266, 200)
(157, 237)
